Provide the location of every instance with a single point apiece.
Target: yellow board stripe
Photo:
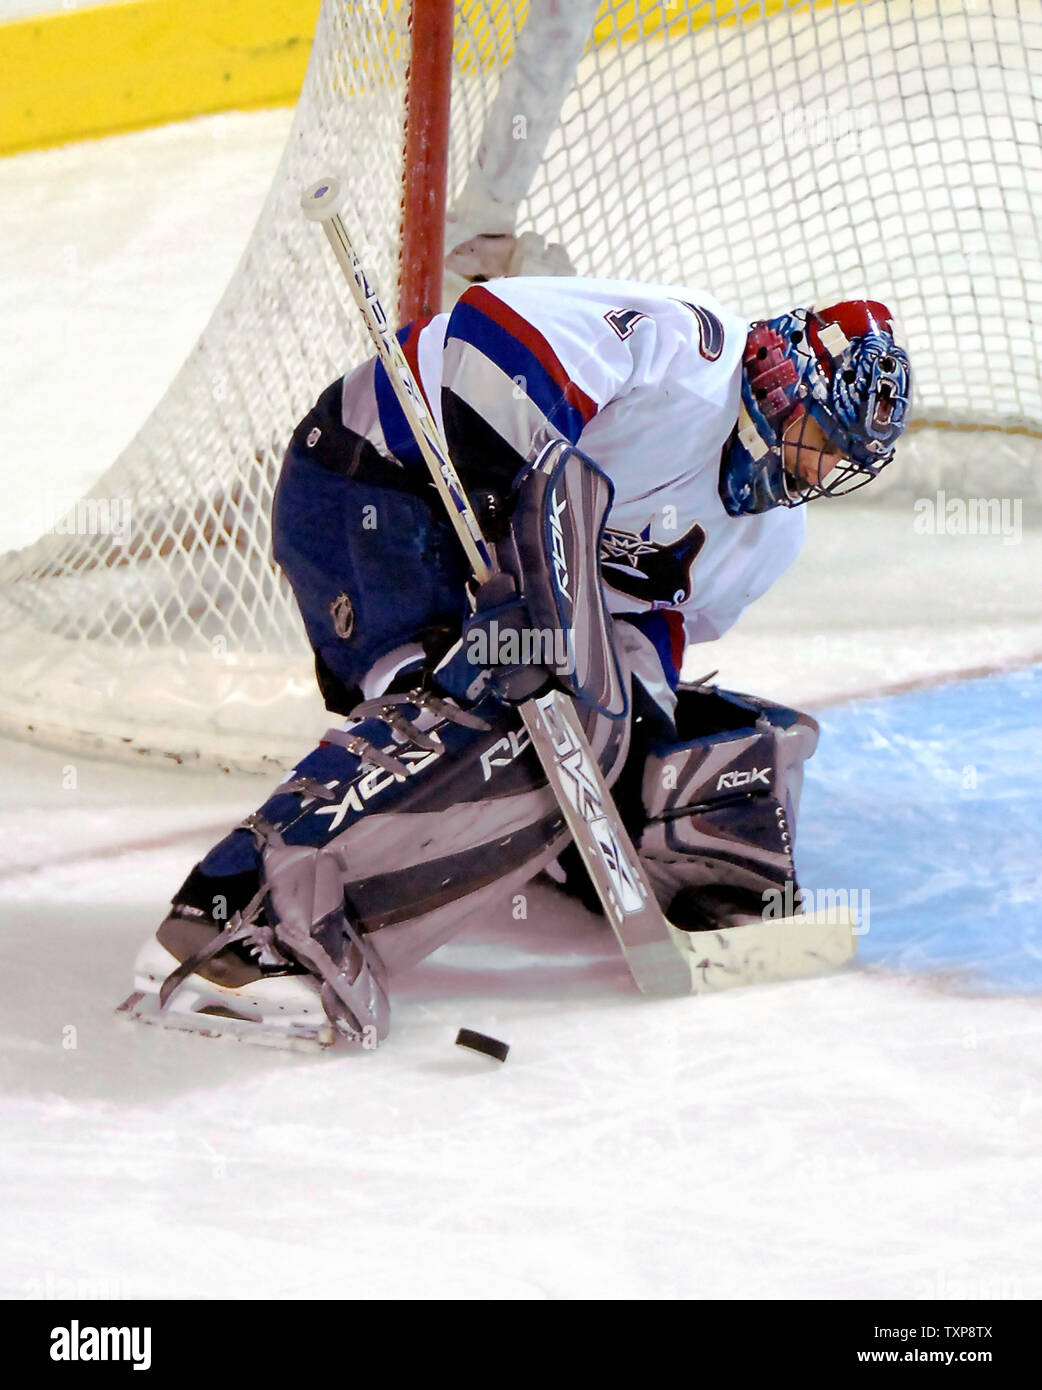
(638, 18)
(91, 72)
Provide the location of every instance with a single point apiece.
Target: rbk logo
(558, 504)
(372, 783)
(503, 752)
(744, 779)
(636, 565)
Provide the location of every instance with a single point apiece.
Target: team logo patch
(710, 331)
(636, 565)
(342, 611)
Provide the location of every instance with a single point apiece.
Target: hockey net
(778, 152)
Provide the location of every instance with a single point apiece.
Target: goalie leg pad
(391, 837)
(721, 806)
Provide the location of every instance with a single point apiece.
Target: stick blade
(767, 952)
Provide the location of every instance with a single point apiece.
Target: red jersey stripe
(494, 308)
(675, 623)
(411, 348)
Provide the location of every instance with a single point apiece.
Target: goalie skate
(275, 1008)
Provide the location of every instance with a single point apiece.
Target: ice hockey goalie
(690, 440)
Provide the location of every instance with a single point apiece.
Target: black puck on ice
(481, 1042)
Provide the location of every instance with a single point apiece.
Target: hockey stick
(662, 960)
(551, 721)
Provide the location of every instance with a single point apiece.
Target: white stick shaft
(321, 204)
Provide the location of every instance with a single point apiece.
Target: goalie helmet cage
(777, 152)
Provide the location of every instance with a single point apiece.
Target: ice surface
(870, 1133)
(873, 1133)
(931, 801)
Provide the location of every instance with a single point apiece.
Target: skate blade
(770, 951)
(211, 1021)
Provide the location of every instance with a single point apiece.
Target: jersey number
(710, 329)
(622, 320)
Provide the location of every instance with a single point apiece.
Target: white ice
(866, 1134)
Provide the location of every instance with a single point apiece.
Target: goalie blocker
(542, 618)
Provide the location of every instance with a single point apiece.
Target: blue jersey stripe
(400, 438)
(660, 629)
(498, 344)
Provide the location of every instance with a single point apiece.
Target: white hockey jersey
(645, 380)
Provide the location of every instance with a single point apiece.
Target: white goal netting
(778, 152)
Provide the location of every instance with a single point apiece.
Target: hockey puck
(481, 1042)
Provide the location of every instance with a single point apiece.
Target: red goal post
(426, 159)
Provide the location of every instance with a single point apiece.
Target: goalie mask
(843, 369)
